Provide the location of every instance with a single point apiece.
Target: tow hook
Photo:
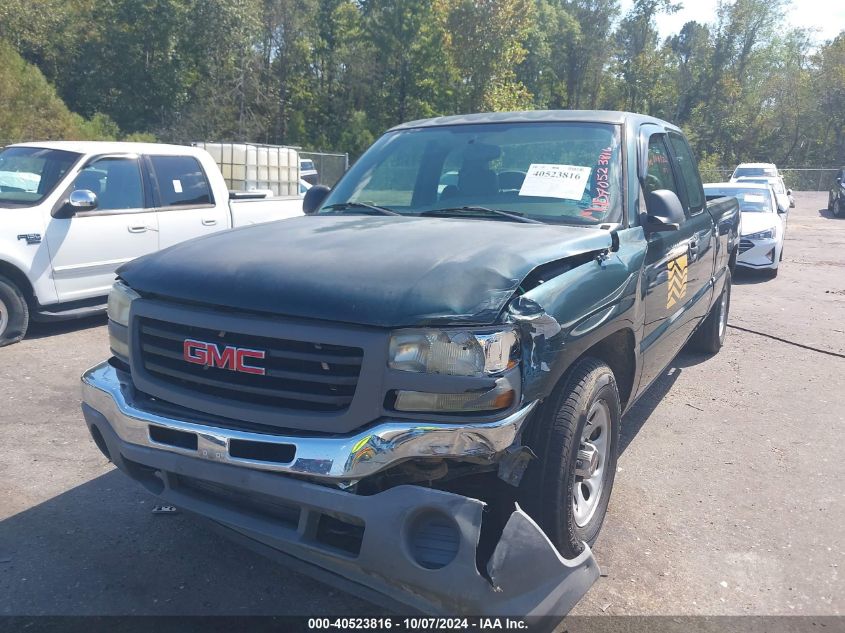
(587, 461)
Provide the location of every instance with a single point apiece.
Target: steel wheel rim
(723, 313)
(4, 317)
(587, 492)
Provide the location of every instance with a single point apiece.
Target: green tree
(30, 109)
(484, 40)
(588, 52)
(544, 72)
(410, 73)
(639, 59)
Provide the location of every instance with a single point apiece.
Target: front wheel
(576, 438)
(14, 313)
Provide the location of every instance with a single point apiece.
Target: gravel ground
(730, 496)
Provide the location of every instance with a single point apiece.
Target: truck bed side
(255, 211)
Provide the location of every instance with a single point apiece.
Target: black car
(836, 197)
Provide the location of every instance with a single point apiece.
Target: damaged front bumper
(338, 457)
(416, 545)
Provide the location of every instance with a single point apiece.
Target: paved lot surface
(730, 497)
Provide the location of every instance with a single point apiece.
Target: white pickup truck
(72, 212)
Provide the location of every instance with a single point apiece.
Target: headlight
(453, 352)
(761, 235)
(120, 297)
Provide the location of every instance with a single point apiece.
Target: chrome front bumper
(386, 551)
(342, 458)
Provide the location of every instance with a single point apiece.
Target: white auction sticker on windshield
(555, 181)
(753, 197)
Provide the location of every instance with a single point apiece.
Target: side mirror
(839, 179)
(664, 211)
(314, 198)
(83, 200)
(789, 192)
(79, 200)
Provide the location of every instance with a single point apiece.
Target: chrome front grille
(297, 375)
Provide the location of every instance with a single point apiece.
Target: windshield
(754, 200)
(569, 173)
(29, 174)
(755, 171)
(774, 182)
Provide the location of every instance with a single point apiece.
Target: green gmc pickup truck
(417, 388)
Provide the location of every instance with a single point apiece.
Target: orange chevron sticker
(677, 289)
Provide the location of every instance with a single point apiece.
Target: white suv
(757, 170)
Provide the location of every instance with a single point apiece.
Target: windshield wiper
(343, 206)
(511, 215)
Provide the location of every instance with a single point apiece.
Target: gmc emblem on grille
(231, 358)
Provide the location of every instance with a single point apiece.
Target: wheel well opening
(732, 260)
(14, 274)
(617, 350)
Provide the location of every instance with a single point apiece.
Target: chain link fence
(810, 179)
(795, 178)
(330, 167)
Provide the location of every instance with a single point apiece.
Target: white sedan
(763, 224)
(783, 195)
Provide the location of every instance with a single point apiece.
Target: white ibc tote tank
(253, 167)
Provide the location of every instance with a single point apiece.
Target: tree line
(334, 74)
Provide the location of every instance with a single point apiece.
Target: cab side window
(181, 181)
(659, 172)
(688, 171)
(115, 181)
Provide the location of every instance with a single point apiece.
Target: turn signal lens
(500, 397)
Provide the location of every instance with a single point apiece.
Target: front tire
(14, 313)
(576, 439)
(711, 335)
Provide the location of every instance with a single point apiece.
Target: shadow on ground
(746, 276)
(43, 330)
(827, 213)
(98, 550)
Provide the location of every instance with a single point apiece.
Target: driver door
(678, 268)
(88, 247)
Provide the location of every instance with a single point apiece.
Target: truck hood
(380, 271)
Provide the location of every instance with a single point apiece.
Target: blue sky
(827, 16)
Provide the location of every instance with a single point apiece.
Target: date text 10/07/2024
(418, 624)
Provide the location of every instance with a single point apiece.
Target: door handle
(209, 222)
(137, 229)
